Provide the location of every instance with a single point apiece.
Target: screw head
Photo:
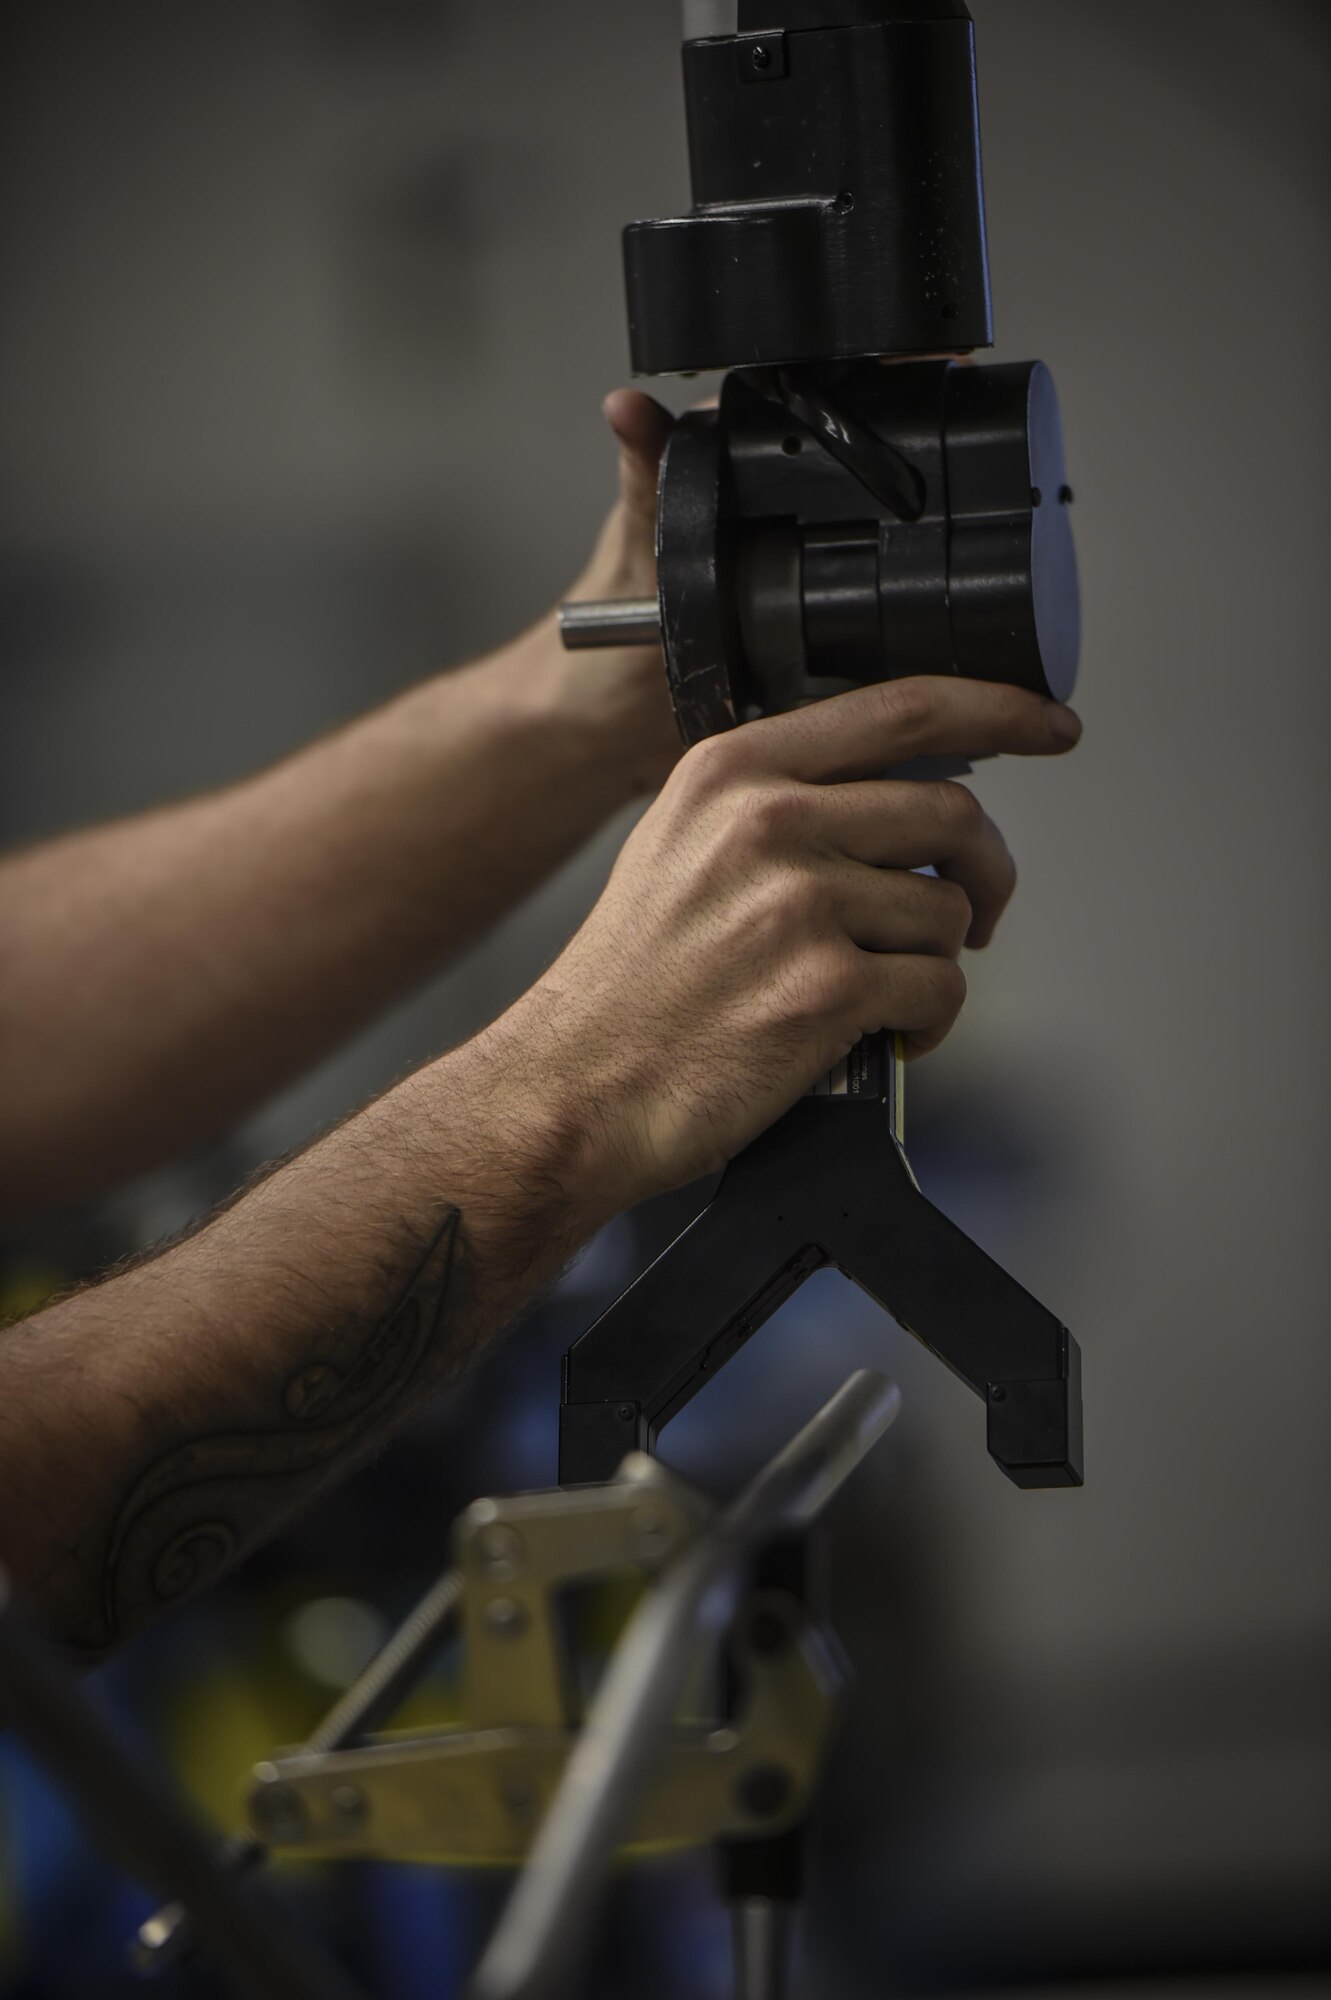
(348, 1805)
(627, 1413)
(518, 1794)
(760, 56)
(998, 1394)
(650, 1527)
(505, 1617)
(499, 1550)
(764, 1790)
(278, 1811)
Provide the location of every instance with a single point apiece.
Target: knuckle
(817, 987)
(708, 766)
(906, 706)
(955, 911)
(940, 1001)
(804, 901)
(771, 814)
(960, 808)
(789, 901)
(948, 990)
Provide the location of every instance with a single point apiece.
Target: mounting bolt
(760, 56)
(627, 1413)
(998, 1394)
(505, 1618)
(650, 1528)
(518, 1794)
(278, 1811)
(348, 1805)
(764, 1790)
(499, 1550)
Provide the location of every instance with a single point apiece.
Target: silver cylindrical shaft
(626, 621)
(761, 1930)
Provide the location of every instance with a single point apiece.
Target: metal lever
(137, 1815)
(656, 1761)
(166, 1938)
(540, 1932)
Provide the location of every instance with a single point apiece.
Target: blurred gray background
(307, 311)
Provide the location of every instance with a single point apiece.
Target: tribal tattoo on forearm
(205, 1503)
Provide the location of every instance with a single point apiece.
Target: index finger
(861, 734)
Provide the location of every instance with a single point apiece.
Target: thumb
(642, 427)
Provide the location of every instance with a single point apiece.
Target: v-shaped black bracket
(828, 1185)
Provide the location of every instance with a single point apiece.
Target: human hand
(619, 695)
(764, 915)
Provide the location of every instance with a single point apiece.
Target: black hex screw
(764, 1790)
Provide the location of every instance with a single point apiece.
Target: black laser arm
(833, 523)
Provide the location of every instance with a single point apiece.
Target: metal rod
(535, 1948)
(166, 1937)
(129, 1807)
(629, 621)
(761, 1930)
(392, 1670)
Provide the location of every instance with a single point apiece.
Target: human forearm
(763, 916)
(155, 1427)
(165, 974)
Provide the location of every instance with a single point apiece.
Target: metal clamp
(475, 1793)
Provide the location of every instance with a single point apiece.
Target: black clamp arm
(829, 1184)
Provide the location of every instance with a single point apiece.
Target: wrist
(544, 1158)
(573, 1136)
(606, 713)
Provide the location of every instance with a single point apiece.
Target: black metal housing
(838, 194)
(831, 528)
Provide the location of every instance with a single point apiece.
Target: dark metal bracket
(828, 1185)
